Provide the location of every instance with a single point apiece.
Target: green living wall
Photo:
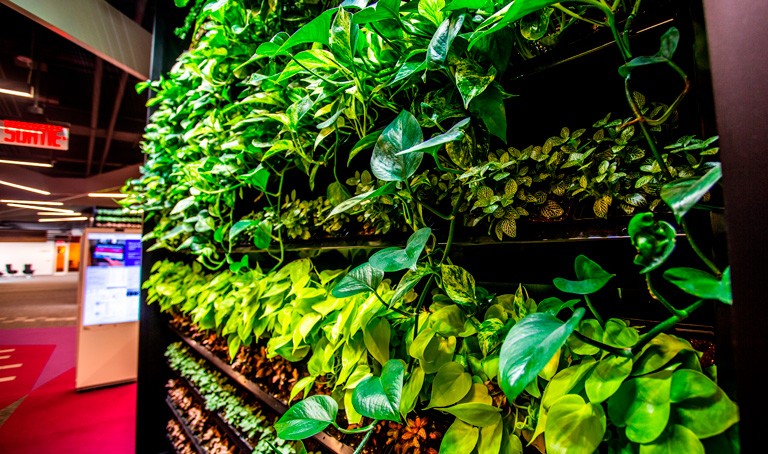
(292, 126)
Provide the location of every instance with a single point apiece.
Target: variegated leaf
(551, 210)
(601, 206)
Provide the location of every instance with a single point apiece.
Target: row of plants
(253, 103)
(236, 132)
(224, 398)
(420, 431)
(191, 430)
(365, 348)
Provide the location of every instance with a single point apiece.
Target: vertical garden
(438, 226)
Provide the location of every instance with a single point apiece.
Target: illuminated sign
(37, 135)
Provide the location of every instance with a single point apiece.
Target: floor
(40, 410)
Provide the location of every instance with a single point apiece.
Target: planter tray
(232, 433)
(183, 423)
(323, 438)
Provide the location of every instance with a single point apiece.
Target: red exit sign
(37, 135)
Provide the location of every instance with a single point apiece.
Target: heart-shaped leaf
(475, 413)
(379, 397)
(529, 346)
(307, 418)
(403, 133)
(700, 405)
(396, 259)
(700, 283)
(432, 145)
(642, 404)
(352, 202)
(591, 276)
(555, 305)
(574, 426)
(364, 278)
(460, 438)
(459, 285)
(450, 385)
(682, 195)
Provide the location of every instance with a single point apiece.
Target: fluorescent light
(80, 218)
(111, 195)
(26, 163)
(48, 213)
(22, 94)
(31, 202)
(26, 188)
(38, 207)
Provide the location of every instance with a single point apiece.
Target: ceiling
(74, 88)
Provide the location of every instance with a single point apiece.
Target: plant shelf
(323, 438)
(232, 433)
(184, 426)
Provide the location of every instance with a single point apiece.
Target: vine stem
(364, 441)
(698, 250)
(359, 430)
(665, 325)
(658, 297)
(624, 352)
(593, 310)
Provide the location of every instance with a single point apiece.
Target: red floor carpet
(52, 417)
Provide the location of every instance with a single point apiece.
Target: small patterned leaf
(522, 211)
(642, 181)
(509, 227)
(552, 210)
(599, 135)
(635, 154)
(499, 213)
(601, 206)
(510, 188)
(539, 197)
(639, 99)
(583, 181)
(560, 188)
(636, 200)
(499, 232)
(565, 133)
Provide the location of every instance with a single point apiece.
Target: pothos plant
(359, 76)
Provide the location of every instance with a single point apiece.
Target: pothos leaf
(307, 418)
(442, 40)
(471, 81)
(529, 346)
(403, 133)
(364, 278)
(396, 259)
(592, 277)
(459, 285)
(512, 12)
(684, 194)
(379, 397)
(701, 284)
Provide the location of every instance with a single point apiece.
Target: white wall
(41, 255)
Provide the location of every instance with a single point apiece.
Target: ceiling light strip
(25, 188)
(31, 202)
(22, 94)
(25, 163)
(79, 218)
(41, 208)
(111, 195)
(48, 213)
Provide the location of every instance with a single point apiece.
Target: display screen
(112, 278)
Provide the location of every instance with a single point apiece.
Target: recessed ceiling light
(26, 163)
(25, 188)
